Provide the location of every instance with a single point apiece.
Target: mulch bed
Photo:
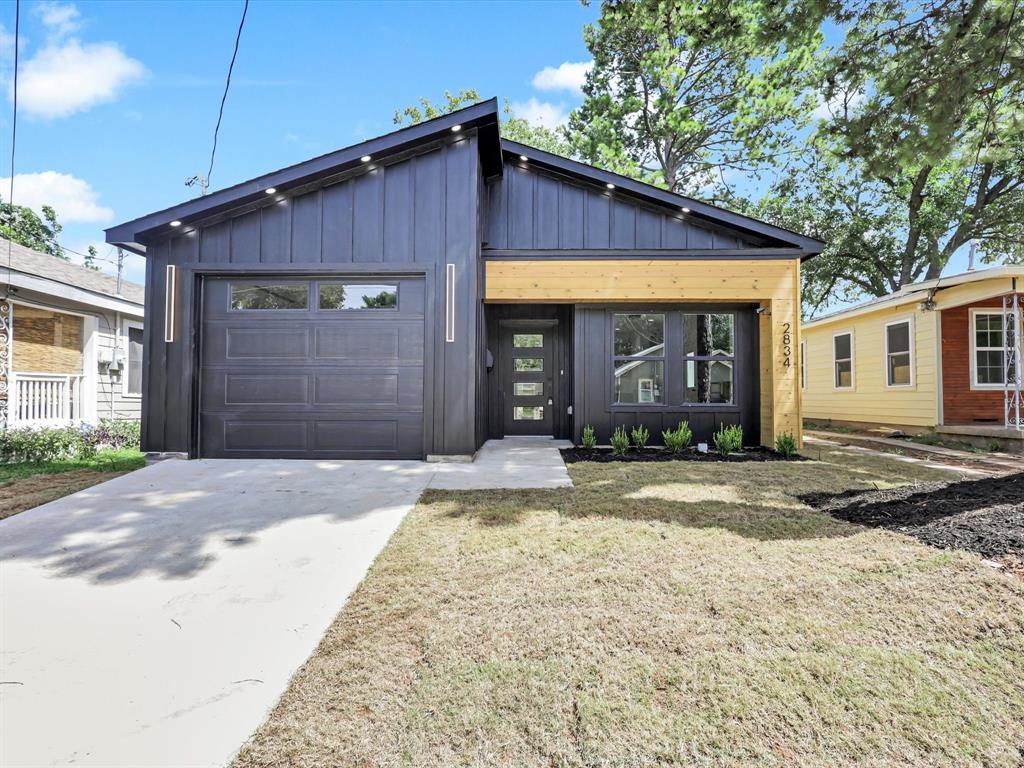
(984, 516)
(572, 455)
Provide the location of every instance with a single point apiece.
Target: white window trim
(853, 361)
(125, 325)
(803, 364)
(973, 334)
(909, 320)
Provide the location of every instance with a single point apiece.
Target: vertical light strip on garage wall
(449, 303)
(169, 304)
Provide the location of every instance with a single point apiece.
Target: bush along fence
(77, 441)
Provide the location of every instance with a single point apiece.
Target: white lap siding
(111, 400)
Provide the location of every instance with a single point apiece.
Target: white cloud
(71, 77)
(567, 76)
(60, 19)
(834, 106)
(72, 198)
(542, 113)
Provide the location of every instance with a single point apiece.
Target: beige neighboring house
(70, 342)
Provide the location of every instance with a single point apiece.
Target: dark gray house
(421, 292)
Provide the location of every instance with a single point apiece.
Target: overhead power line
(14, 122)
(227, 86)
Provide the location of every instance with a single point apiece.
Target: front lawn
(25, 485)
(683, 614)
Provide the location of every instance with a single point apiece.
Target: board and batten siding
(871, 400)
(412, 216)
(771, 284)
(529, 209)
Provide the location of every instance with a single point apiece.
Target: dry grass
(663, 614)
(28, 492)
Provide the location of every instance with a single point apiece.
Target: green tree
(89, 260)
(24, 226)
(681, 92)
(922, 153)
(512, 127)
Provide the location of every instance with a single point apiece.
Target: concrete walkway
(154, 620)
(515, 462)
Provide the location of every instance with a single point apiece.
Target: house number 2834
(787, 344)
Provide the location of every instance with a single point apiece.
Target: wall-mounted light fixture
(449, 303)
(169, 296)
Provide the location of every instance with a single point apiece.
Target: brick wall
(46, 342)
(960, 403)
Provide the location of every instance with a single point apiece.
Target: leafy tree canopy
(681, 93)
(923, 151)
(24, 226)
(512, 127)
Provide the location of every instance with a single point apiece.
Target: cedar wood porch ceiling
(483, 117)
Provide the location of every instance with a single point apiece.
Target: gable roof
(134, 234)
(662, 197)
(483, 116)
(29, 262)
(919, 291)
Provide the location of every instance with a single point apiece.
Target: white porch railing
(38, 399)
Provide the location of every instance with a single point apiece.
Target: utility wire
(227, 85)
(14, 129)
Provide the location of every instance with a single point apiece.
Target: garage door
(321, 368)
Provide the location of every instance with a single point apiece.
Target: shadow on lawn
(763, 515)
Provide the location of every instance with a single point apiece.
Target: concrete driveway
(155, 619)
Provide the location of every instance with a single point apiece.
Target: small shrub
(786, 444)
(729, 439)
(620, 441)
(589, 437)
(113, 433)
(677, 440)
(993, 446)
(640, 436)
(36, 445)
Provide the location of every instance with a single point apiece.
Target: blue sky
(122, 96)
(118, 100)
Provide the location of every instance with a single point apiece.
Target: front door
(528, 378)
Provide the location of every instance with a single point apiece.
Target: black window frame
(617, 359)
(731, 359)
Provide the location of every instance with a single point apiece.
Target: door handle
(550, 401)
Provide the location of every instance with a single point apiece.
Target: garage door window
(264, 296)
(358, 296)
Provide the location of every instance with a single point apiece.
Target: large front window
(709, 351)
(990, 345)
(638, 357)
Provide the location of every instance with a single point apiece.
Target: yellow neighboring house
(934, 355)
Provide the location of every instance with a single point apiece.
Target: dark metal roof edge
(127, 235)
(735, 220)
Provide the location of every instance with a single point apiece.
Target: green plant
(676, 440)
(993, 446)
(786, 444)
(589, 437)
(640, 436)
(729, 439)
(620, 441)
